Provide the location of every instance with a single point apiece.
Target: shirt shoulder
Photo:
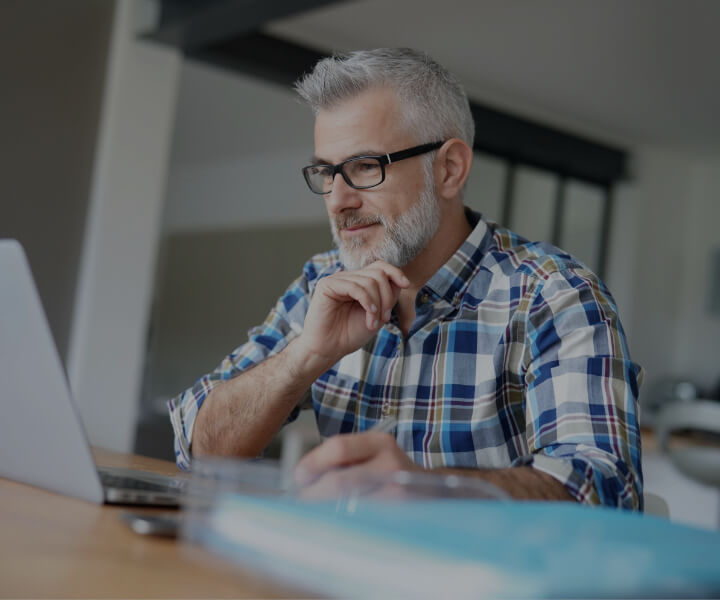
(510, 254)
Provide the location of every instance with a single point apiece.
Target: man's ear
(452, 167)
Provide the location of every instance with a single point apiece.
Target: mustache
(354, 220)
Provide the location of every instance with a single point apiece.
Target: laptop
(42, 441)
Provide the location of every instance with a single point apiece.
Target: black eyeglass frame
(383, 159)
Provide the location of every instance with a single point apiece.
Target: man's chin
(355, 259)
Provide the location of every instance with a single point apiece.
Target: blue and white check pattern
(516, 357)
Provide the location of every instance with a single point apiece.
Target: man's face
(393, 221)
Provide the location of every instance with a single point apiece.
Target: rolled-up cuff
(585, 483)
(183, 411)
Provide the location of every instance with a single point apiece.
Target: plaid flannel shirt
(516, 357)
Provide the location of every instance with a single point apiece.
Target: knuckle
(327, 282)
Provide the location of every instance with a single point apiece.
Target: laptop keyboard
(131, 483)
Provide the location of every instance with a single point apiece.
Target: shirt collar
(450, 281)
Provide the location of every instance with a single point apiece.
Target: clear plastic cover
(215, 479)
(269, 477)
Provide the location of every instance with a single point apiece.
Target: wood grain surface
(58, 547)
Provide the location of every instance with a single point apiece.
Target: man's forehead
(369, 123)
(318, 158)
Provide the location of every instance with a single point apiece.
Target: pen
(385, 425)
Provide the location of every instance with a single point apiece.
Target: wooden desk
(59, 547)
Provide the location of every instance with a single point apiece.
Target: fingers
(358, 481)
(368, 447)
(341, 289)
(393, 273)
(338, 451)
(334, 484)
(376, 288)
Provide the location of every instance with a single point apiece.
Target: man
(499, 358)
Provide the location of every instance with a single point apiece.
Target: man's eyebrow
(316, 160)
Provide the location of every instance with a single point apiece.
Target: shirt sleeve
(281, 326)
(582, 392)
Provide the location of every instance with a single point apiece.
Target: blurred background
(150, 155)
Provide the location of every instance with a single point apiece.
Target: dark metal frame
(227, 33)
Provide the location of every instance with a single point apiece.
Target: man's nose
(342, 195)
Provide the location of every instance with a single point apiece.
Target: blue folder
(362, 548)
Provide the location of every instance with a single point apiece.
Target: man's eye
(368, 165)
(321, 170)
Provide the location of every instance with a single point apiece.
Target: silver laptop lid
(42, 441)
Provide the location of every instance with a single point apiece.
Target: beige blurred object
(698, 454)
(688, 432)
(662, 393)
(656, 505)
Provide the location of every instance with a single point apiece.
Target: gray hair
(434, 104)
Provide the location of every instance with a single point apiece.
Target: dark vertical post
(604, 250)
(559, 213)
(508, 193)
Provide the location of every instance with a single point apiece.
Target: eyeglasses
(359, 172)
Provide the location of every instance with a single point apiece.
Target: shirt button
(424, 298)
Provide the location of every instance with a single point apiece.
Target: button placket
(389, 406)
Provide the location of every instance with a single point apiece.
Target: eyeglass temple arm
(395, 156)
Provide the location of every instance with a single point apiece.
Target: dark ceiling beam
(523, 141)
(194, 24)
(262, 56)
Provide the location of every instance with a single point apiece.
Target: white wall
(237, 152)
(673, 229)
(108, 337)
(697, 353)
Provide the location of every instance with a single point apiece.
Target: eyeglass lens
(358, 172)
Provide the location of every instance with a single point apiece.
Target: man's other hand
(344, 459)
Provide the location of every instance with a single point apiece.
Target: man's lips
(358, 228)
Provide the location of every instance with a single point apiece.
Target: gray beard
(405, 237)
